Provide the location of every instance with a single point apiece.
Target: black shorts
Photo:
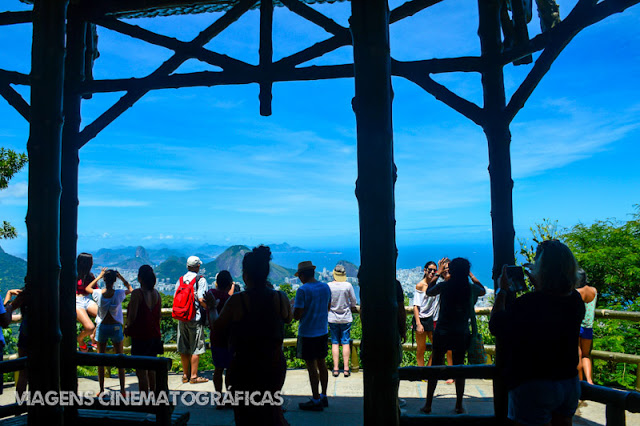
(313, 347)
(450, 342)
(146, 347)
(427, 323)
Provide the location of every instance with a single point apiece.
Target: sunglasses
(431, 270)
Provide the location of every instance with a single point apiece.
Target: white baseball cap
(193, 261)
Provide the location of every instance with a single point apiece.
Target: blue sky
(201, 165)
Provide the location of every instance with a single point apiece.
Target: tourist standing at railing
(191, 339)
(85, 306)
(6, 311)
(110, 319)
(255, 321)
(540, 330)
(343, 302)
(425, 312)
(143, 325)
(221, 354)
(311, 305)
(589, 296)
(452, 331)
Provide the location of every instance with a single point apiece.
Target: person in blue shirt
(311, 308)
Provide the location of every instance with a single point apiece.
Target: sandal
(347, 373)
(185, 379)
(196, 380)
(336, 373)
(83, 347)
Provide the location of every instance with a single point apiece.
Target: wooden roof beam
(11, 18)
(181, 47)
(410, 8)
(16, 101)
(584, 14)
(265, 53)
(169, 66)
(215, 78)
(312, 15)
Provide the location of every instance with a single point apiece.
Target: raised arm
(478, 284)
(125, 282)
(92, 285)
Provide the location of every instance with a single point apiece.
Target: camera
(516, 275)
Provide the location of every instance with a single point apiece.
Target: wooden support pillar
(74, 75)
(266, 56)
(43, 215)
(496, 128)
(375, 193)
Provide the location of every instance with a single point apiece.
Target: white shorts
(83, 302)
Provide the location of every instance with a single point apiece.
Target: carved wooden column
(496, 128)
(74, 74)
(43, 215)
(375, 193)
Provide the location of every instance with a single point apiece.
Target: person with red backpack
(189, 309)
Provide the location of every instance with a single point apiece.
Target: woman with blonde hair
(542, 377)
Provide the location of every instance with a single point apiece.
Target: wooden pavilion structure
(63, 51)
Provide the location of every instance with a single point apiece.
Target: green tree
(10, 163)
(609, 252)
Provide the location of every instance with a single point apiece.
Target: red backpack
(184, 307)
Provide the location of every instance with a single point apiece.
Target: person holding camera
(542, 377)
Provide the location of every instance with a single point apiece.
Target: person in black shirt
(540, 330)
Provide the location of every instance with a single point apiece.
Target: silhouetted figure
(540, 330)
(452, 331)
(221, 354)
(255, 321)
(143, 324)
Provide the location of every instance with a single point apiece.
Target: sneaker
(324, 400)
(311, 405)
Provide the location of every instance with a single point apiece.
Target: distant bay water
(480, 256)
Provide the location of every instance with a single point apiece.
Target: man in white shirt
(191, 333)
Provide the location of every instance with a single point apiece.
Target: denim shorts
(534, 402)
(586, 333)
(104, 332)
(340, 333)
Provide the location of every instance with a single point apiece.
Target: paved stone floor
(345, 400)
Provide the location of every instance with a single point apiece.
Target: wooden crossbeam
(14, 77)
(215, 78)
(315, 51)
(467, 108)
(312, 15)
(437, 66)
(265, 53)
(170, 65)
(410, 8)
(185, 48)
(11, 18)
(583, 15)
(16, 101)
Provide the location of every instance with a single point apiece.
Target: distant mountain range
(170, 263)
(12, 272)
